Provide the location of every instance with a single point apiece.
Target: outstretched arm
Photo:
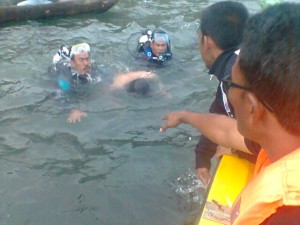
(218, 128)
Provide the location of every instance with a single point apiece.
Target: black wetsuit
(70, 81)
(75, 91)
(151, 57)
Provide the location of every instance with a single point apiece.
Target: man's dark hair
(224, 22)
(270, 61)
(139, 86)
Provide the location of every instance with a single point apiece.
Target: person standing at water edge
(73, 68)
(220, 33)
(265, 95)
(156, 46)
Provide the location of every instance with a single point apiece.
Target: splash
(189, 187)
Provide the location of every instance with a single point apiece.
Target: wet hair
(139, 86)
(270, 61)
(224, 22)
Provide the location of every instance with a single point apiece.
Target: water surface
(114, 167)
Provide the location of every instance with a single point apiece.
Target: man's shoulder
(59, 68)
(63, 53)
(63, 66)
(223, 64)
(228, 66)
(146, 46)
(231, 59)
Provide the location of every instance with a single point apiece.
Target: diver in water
(156, 46)
(73, 69)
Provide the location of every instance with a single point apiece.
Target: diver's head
(80, 58)
(159, 42)
(139, 86)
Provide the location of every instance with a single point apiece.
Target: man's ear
(207, 41)
(210, 43)
(151, 44)
(72, 63)
(256, 109)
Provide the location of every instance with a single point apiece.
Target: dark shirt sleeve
(285, 215)
(205, 149)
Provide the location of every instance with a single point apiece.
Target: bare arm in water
(122, 79)
(119, 82)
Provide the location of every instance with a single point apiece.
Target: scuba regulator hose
(129, 39)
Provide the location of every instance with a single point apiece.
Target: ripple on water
(114, 167)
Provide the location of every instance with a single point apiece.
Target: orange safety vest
(261, 162)
(274, 186)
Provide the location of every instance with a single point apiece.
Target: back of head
(139, 86)
(270, 61)
(224, 22)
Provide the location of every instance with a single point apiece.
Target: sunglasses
(228, 84)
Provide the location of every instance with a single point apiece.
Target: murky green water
(114, 167)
